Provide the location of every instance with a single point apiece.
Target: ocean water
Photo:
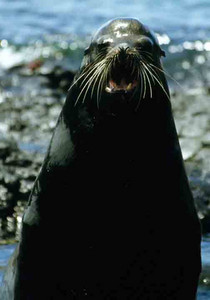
(30, 29)
(23, 21)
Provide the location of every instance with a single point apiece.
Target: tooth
(107, 89)
(129, 87)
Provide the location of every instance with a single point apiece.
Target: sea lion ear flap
(162, 53)
(87, 51)
(86, 58)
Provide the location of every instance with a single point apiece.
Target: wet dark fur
(114, 214)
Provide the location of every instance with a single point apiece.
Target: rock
(19, 159)
(200, 186)
(6, 148)
(12, 183)
(195, 126)
(203, 159)
(3, 194)
(35, 64)
(192, 117)
(206, 140)
(190, 147)
(26, 187)
(59, 78)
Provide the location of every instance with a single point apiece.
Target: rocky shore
(192, 117)
(31, 97)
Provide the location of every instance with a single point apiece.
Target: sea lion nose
(122, 50)
(123, 46)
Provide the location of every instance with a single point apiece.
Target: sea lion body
(111, 214)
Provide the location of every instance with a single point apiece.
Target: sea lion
(111, 214)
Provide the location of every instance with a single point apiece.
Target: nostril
(123, 53)
(122, 48)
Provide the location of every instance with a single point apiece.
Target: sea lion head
(122, 62)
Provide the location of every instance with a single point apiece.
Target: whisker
(99, 89)
(88, 87)
(168, 75)
(148, 80)
(141, 89)
(141, 65)
(95, 77)
(96, 80)
(153, 72)
(149, 71)
(146, 54)
(159, 82)
(95, 70)
(104, 75)
(86, 69)
(102, 85)
(73, 84)
(86, 84)
(92, 71)
(145, 84)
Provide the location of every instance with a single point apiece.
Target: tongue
(122, 86)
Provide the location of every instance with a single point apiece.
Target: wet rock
(20, 159)
(11, 182)
(35, 64)
(6, 148)
(7, 202)
(206, 140)
(195, 126)
(192, 117)
(31, 99)
(203, 159)
(18, 172)
(26, 187)
(190, 147)
(3, 194)
(58, 78)
(200, 185)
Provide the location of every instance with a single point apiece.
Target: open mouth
(122, 79)
(121, 87)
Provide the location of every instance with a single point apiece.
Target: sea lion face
(123, 58)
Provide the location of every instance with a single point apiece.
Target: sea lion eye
(87, 51)
(162, 53)
(144, 44)
(103, 46)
